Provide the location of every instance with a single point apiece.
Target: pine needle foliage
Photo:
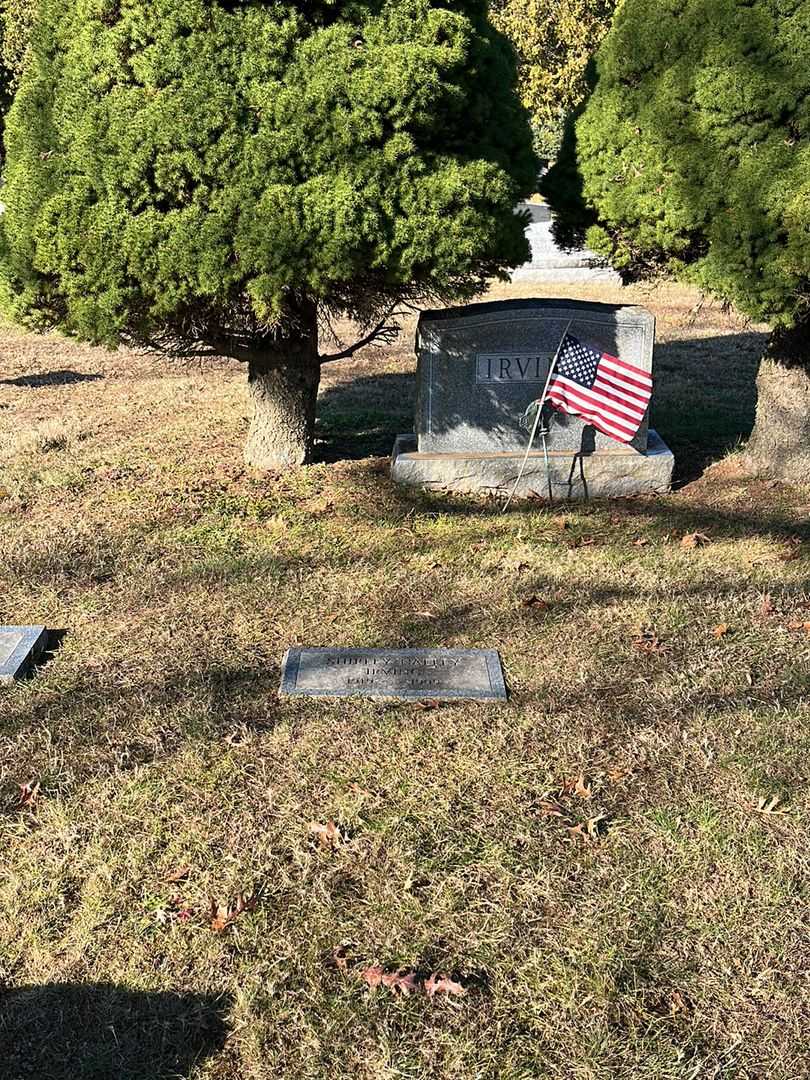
(693, 153)
(188, 171)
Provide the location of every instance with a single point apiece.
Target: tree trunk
(283, 386)
(779, 446)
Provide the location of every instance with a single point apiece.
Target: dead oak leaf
(329, 835)
(588, 830)
(440, 984)
(720, 630)
(694, 539)
(401, 981)
(648, 641)
(372, 975)
(535, 602)
(178, 874)
(223, 914)
(577, 786)
(799, 627)
(29, 793)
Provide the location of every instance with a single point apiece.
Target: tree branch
(383, 332)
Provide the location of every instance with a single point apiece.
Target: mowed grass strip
(613, 865)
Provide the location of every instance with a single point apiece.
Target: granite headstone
(479, 367)
(20, 646)
(441, 674)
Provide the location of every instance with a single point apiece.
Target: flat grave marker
(19, 647)
(439, 674)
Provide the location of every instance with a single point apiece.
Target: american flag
(607, 392)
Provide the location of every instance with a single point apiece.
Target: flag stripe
(620, 387)
(595, 411)
(632, 369)
(633, 376)
(600, 397)
(599, 422)
(634, 408)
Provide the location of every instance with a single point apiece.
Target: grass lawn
(613, 866)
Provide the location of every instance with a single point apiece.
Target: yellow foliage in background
(554, 40)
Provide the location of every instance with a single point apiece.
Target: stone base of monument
(604, 473)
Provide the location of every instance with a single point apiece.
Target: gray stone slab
(441, 674)
(607, 473)
(549, 262)
(20, 646)
(480, 366)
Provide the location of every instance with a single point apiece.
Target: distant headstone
(20, 646)
(441, 674)
(549, 262)
(479, 367)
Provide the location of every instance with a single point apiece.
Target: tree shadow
(361, 418)
(51, 378)
(703, 404)
(97, 1031)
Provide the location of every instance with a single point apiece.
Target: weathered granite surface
(549, 262)
(480, 366)
(606, 473)
(442, 674)
(20, 646)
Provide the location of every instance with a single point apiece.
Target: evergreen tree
(692, 156)
(16, 19)
(220, 175)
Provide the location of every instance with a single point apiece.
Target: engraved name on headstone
(443, 674)
(19, 647)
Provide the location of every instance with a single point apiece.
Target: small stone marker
(441, 674)
(19, 646)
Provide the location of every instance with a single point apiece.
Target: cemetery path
(610, 869)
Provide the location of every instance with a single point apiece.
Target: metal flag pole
(540, 403)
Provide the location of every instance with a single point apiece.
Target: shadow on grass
(704, 404)
(51, 378)
(98, 1031)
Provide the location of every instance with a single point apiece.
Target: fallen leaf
(642, 541)
(180, 874)
(695, 539)
(401, 980)
(223, 914)
(649, 642)
(431, 703)
(577, 786)
(29, 793)
(551, 809)
(561, 521)
(535, 602)
(720, 630)
(801, 627)
(329, 834)
(372, 975)
(424, 615)
(618, 773)
(440, 984)
(595, 825)
(794, 551)
(340, 957)
(766, 607)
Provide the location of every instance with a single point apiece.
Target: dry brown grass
(670, 946)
